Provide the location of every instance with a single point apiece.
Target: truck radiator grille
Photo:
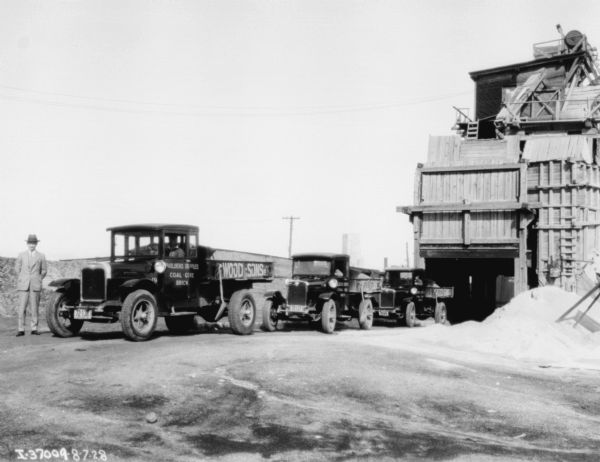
(93, 284)
(387, 298)
(297, 294)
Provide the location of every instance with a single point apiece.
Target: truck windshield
(135, 245)
(311, 267)
(398, 278)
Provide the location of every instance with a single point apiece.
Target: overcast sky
(232, 114)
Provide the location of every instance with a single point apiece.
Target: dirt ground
(295, 394)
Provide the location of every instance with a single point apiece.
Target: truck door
(179, 282)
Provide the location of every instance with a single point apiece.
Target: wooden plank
(467, 168)
(522, 197)
(467, 227)
(417, 191)
(494, 240)
(440, 240)
(469, 253)
(418, 261)
(457, 207)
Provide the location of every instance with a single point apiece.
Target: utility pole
(291, 218)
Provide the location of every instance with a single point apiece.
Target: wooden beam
(418, 261)
(470, 168)
(470, 253)
(459, 207)
(417, 191)
(441, 240)
(492, 240)
(466, 227)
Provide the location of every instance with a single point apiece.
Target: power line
(147, 107)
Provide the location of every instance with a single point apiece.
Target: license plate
(384, 313)
(296, 308)
(81, 313)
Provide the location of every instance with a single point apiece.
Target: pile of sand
(526, 328)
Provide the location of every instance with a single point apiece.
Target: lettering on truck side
(240, 270)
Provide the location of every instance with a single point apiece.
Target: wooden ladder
(567, 252)
(472, 130)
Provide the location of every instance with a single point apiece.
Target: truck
(409, 294)
(157, 270)
(323, 290)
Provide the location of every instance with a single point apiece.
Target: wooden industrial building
(512, 200)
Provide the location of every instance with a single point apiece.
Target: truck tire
(328, 316)
(59, 319)
(139, 315)
(410, 314)
(269, 316)
(180, 324)
(441, 313)
(241, 312)
(365, 314)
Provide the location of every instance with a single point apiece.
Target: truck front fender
(136, 284)
(327, 295)
(276, 296)
(67, 286)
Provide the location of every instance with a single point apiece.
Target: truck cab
(409, 294)
(157, 270)
(324, 289)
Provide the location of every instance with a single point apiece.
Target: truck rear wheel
(180, 324)
(139, 315)
(365, 314)
(241, 312)
(328, 316)
(410, 314)
(58, 317)
(441, 313)
(269, 316)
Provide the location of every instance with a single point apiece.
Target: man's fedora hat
(32, 239)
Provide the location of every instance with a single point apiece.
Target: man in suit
(31, 269)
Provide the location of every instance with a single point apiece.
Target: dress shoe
(35, 332)
(20, 333)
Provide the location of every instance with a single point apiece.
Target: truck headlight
(332, 283)
(160, 266)
(413, 290)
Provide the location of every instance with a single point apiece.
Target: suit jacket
(30, 270)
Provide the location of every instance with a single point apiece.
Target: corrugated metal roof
(543, 148)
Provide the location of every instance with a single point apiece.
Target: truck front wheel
(269, 316)
(59, 319)
(139, 315)
(328, 316)
(365, 314)
(441, 313)
(410, 314)
(241, 312)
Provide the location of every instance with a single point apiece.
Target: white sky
(232, 114)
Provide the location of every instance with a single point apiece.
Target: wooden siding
(498, 225)
(469, 186)
(544, 148)
(452, 150)
(483, 227)
(568, 223)
(580, 102)
(442, 226)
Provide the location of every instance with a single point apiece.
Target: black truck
(157, 270)
(324, 289)
(408, 294)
